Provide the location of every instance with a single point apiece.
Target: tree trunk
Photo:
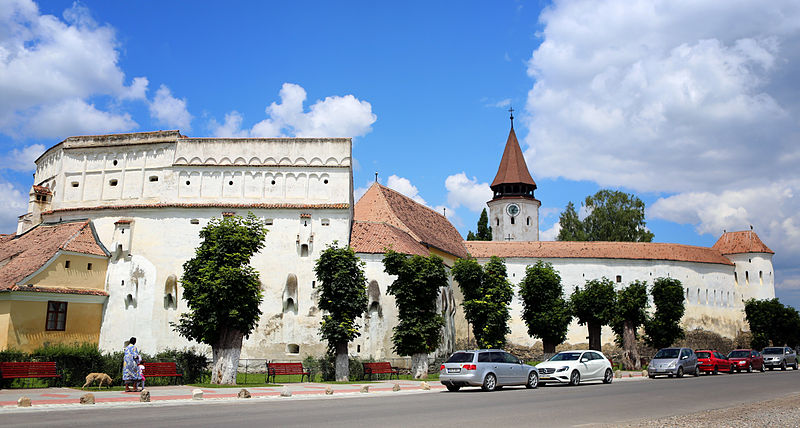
(342, 363)
(548, 346)
(226, 357)
(594, 336)
(630, 355)
(419, 366)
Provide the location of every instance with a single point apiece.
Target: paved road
(546, 406)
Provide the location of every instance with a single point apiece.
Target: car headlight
(561, 369)
(671, 365)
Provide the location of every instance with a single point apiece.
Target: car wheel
(783, 365)
(730, 370)
(669, 376)
(453, 388)
(680, 372)
(715, 371)
(750, 368)
(771, 368)
(652, 376)
(489, 382)
(609, 376)
(795, 366)
(762, 368)
(533, 380)
(575, 378)
(696, 371)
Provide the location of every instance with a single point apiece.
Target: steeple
(513, 177)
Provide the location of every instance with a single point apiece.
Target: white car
(574, 367)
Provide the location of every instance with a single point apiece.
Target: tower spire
(511, 110)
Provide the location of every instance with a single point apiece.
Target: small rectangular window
(153, 178)
(194, 221)
(326, 222)
(66, 264)
(619, 278)
(89, 266)
(56, 316)
(112, 182)
(268, 222)
(74, 184)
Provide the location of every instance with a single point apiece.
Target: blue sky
(690, 105)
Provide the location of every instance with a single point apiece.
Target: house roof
(745, 241)
(376, 238)
(513, 168)
(41, 190)
(596, 250)
(22, 255)
(426, 226)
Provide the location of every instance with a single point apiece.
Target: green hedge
(76, 361)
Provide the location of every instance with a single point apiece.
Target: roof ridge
(412, 200)
(63, 246)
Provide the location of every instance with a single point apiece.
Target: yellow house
(52, 285)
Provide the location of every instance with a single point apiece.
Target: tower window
(112, 182)
(74, 184)
(497, 221)
(528, 221)
(115, 162)
(153, 178)
(512, 220)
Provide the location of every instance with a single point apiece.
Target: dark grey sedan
(488, 368)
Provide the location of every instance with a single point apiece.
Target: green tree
(663, 328)
(772, 323)
(416, 289)
(222, 291)
(631, 313)
(343, 298)
(544, 309)
(571, 225)
(613, 216)
(487, 294)
(484, 230)
(594, 307)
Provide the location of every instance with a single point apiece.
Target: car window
(461, 357)
(753, 354)
(738, 354)
(597, 356)
(484, 357)
(497, 357)
(684, 353)
(566, 356)
(772, 351)
(667, 353)
(703, 354)
(510, 358)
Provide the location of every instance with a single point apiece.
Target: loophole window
(153, 178)
(112, 182)
(74, 184)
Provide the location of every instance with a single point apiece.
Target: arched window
(304, 250)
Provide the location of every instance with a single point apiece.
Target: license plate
(545, 378)
(453, 370)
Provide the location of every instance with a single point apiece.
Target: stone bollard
(87, 398)
(285, 392)
(24, 402)
(197, 394)
(396, 387)
(424, 385)
(244, 393)
(618, 374)
(144, 397)
(365, 389)
(328, 390)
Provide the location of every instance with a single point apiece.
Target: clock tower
(513, 210)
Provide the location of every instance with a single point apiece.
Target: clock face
(512, 210)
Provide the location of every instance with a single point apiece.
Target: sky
(694, 106)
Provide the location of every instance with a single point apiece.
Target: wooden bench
(285, 369)
(162, 370)
(29, 369)
(380, 368)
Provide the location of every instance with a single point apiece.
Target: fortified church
(112, 218)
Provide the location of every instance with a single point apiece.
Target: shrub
(702, 339)
(190, 362)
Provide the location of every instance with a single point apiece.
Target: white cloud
(335, 116)
(75, 116)
(22, 160)
(404, 186)
(47, 63)
(467, 192)
(692, 98)
(550, 234)
(12, 203)
(170, 111)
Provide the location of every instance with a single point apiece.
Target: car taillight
(469, 367)
(441, 367)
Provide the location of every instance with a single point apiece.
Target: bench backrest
(378, 367)
(286, 368)
(28, 369)
(160, 369)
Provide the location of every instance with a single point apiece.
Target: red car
(746, 359)
(711, 361)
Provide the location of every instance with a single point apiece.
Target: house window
(56, 316)
(89, 266)
(66, 264)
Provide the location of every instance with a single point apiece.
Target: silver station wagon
(488, 368)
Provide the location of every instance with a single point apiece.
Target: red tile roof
(513, 168)
(745, 241)
(25, 254)
(376, 238)
(426, 226)
(60, 290)
(596, 250)
(41, 190)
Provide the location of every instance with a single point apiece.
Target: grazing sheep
(100, 378)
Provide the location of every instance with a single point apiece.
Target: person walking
(130, 366)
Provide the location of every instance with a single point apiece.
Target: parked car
(488, 368)
(574, 367)
(779, 357)
(673, 362)
(746, 359)
(711, 361)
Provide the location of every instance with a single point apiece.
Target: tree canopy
(343, 298)
(544, 309)
(630, 313)
(772, 323)
(487, 294)
(612, 216)
(594, 307)
(663, 328)
(222, 291)
(484, 232)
